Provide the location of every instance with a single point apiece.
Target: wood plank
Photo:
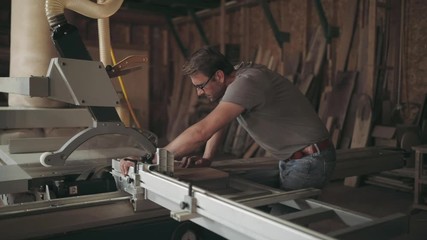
(238, 146)
(346, 35)
(229, 137)
(207, 178)
(291, 64)
(199, 174)
(361, 133)
(360, 52)
(350, 162)
(317, 50)
(383, 132)
(362, 125)
(189, 99)
(341, 92)
(324, 99)
(259, 54)
(330, 123)
(369, 82)
(366, 65)
(266, 57)
(345, 43)
(251, 150)
(222, 33)
(304, 82)
(336, 135)
(313, 60)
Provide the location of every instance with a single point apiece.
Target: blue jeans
(311, 171)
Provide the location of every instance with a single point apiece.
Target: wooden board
(317, 50)
(359, 56)
(313, 61)
(199, 174)
(207, 178)
(362, 126)
(346, 35)
(350, 162)
(361, 131)
(251, 150)
(341, 93)
(180, 122)
(369, 82)
(304, 81)
(229, 136)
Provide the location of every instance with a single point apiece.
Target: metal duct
(30, 48)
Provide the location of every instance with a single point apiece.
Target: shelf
(420, 149)
(419, 177)
(419, 206)
(421, 180)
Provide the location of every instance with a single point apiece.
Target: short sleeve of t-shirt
(246, 90)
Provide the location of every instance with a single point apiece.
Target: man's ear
(221, 76)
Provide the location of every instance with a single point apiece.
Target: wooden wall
(415, 52)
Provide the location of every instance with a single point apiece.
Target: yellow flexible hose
(122, 86)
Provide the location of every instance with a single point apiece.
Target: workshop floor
(378, 202)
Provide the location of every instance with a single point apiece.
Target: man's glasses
(203, 85)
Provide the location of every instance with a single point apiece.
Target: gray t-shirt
(277, 116)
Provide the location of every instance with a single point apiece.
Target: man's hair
(207, 60)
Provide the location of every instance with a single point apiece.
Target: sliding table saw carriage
(59, 188)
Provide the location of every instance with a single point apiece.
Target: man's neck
(230, 78)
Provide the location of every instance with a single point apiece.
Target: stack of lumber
(350, 162)
(399, 179)
(367, 64)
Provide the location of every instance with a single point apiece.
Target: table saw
(204, 203)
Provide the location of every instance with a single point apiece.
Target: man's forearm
(212, 144)
(187, 142)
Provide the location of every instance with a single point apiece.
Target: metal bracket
(175, 34)
(132, 182)
(165, 160)
(100, 128)
(73, 81)
(198, 26)
(189, 203)
(126, 65)
(329, 31)
(281, 37)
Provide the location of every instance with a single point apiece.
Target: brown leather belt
(311, 149)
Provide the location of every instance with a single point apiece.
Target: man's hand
(194, 161)
(125, 164)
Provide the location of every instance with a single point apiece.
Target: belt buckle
(316, 147)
